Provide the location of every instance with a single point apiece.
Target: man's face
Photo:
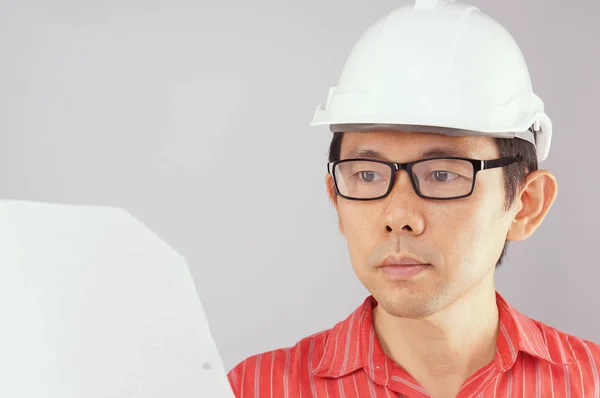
(461, 239)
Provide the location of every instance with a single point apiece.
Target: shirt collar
(352, 344)
(519, 333)
(343, 353)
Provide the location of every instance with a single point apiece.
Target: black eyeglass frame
(478, 165)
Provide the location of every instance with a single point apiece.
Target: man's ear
(333, 197)
(533, 203)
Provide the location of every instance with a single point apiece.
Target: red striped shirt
(532, 360)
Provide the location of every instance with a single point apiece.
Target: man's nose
(403, 212)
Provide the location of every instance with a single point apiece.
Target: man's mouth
(402, 267)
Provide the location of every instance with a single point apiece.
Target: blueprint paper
(93, 304)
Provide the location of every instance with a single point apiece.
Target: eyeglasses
(442, 178)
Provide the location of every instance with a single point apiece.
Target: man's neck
(450, 345)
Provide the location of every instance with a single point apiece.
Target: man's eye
(443, 176)
(368, 176)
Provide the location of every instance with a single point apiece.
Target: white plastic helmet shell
(442, 65)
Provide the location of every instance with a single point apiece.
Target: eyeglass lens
(436, 178)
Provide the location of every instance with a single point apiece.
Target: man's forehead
(394, 144)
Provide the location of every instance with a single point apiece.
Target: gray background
(194, 117)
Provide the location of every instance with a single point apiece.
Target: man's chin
(410, 306)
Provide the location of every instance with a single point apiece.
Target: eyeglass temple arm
(492, 164)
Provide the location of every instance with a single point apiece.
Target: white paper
(93, 304)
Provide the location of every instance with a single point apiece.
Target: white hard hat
(441, 65)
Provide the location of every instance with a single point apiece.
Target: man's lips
(400, 260)
(402, 267)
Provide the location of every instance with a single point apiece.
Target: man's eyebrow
(443, 152)
(428, 153)
(365, 153)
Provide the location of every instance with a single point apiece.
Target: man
(433, 170)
